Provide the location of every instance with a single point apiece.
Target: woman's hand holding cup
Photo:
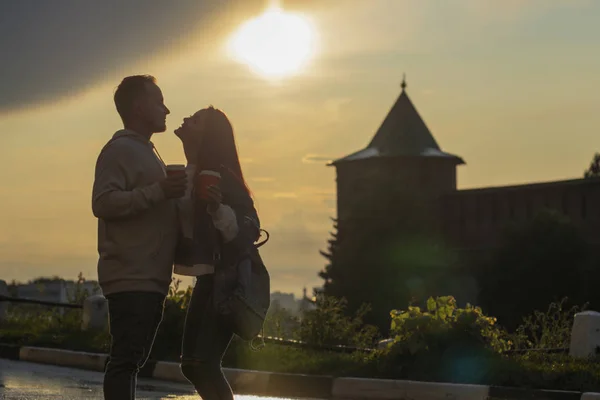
(215, 197)
(208, 189)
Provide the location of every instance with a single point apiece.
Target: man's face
(153, 110)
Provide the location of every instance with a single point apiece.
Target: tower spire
(403, 85)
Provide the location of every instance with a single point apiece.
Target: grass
(533, 371)
(39, 326)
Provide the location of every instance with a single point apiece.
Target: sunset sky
(512, 86)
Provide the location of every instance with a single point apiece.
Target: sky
(511, 86)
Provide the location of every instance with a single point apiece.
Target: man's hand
(174, 185)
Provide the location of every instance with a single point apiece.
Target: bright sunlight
(275, 44)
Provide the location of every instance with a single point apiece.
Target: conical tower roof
(402, 133)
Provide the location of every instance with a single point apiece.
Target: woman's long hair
(218, 147)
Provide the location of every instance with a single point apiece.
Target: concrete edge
(505, 393)
(248, 382)
(63, 358)
(364, 388)
(296, 385)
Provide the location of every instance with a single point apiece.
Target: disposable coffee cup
(206, 178)
(175, 169)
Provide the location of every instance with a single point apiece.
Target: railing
(309, 346)
(40, 302)
(549, 351)
(266, 339)
(275, 340)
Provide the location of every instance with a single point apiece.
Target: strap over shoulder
(257, 245)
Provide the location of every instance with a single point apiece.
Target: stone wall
(376, 191)
(475, 218)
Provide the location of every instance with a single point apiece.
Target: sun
(275, 44)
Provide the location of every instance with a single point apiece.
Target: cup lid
(209, 172)
(175, 166)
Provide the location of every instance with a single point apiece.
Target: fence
(39, 302)
(269, 339)
(266, 339)
(548, 351)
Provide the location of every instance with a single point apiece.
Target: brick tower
(399, 176)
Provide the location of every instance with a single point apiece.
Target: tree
(593, 170)
(330, 324)
(44, 279)
(539, 262)
(280, 322)
(384, 264)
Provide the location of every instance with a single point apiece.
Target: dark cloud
(53, 49)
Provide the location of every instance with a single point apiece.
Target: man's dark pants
(134, 318)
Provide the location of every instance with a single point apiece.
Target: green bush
(167, 345)
(445, 323)
(549, 371)
(444, 343)
(281, 323)
(33, 325)
(328, 324)
(286, 359)
(547, 330)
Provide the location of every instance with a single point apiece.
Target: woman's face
(193, 125)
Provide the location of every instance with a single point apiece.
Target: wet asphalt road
(26, 381)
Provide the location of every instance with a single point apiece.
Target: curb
(296, 385)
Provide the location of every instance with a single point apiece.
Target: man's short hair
(129, 90)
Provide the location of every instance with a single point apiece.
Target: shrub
(328, 324)
(167, 345)
(443, 343)
(549, 330)
(281, 323)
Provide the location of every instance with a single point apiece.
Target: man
(136, 206)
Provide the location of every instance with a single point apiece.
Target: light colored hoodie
(137, 226)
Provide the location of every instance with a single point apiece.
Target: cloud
(262, 179)
(316, 158)
(294, 279)
(285, 195)
(66, 266)
(55, 49)
(292, 253)
(292, 237)
(293, 5)
(512, 10)
(319, 192)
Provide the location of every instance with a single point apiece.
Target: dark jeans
(134, 318)
(205, 340)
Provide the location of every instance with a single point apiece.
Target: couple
(143, 213)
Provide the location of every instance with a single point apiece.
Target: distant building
(404, 170)
(56, 290)
(289, 302)
(285, 300)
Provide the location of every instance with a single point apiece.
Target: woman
(226, 224)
